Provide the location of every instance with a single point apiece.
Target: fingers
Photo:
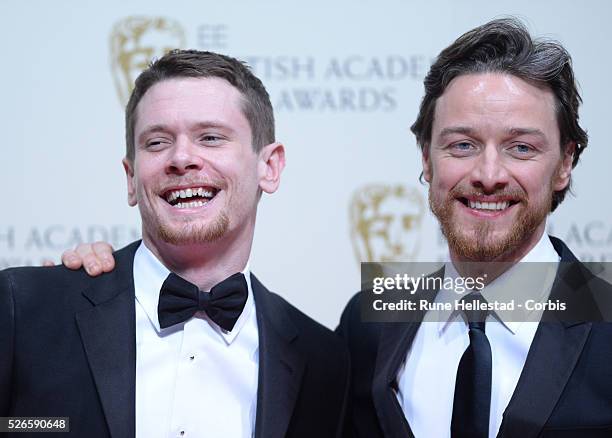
(104, 253)
(71, 259)
(95, 258)
(48, 262)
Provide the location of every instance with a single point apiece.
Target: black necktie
(472, 402)
(179, 300)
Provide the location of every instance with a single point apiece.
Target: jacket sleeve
(7, 335)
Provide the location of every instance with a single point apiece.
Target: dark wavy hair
(505, 46)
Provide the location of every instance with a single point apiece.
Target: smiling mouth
(487, 206)
(192, 197)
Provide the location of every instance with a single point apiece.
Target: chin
(194, 234)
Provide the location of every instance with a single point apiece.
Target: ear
(128, 165)
(270, 166)
(564, 171)
(425, 159)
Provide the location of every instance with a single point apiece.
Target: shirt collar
(518, 281)
(150, 274)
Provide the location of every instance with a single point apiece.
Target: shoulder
(306, 326)
(57, 286)
(352, 324)
(312, 338)
(584, 286)
(362, 338)
(24, 279)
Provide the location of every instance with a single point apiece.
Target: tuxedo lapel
(280, 365)
(553, 354)
(395, 341)
(552, 357)
(109, 337)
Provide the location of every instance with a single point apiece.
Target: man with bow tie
(180, 339)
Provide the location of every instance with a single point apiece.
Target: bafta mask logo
(134, 42)
(386, 223)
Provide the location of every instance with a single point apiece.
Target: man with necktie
(180, 339)
(499, 135)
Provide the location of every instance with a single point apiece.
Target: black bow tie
(179, 300)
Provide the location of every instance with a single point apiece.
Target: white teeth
(495, 206)
(189, 193)
(192, 204)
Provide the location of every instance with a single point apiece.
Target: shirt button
(192, 357)
(182, 432)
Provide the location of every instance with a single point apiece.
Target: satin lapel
(280, 365)
(395, 342)
(552, 357)
(553, 354)
(109, 336)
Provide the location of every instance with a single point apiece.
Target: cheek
(536, 181)
(447, 173)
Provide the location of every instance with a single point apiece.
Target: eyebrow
(514, 132)
(466, 130)
(150, 130)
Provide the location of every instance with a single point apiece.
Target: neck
(490, 269)
(205, 264)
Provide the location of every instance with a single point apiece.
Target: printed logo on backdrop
(30, 246)
(590, 241)
(386, 222)
(345, 83)
(134, 42)
(348, 83)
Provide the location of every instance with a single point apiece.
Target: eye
(522, 150)
(156, 143)
(462, 148)
(211, 139)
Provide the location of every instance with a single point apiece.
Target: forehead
(183, 102)
(495, 101)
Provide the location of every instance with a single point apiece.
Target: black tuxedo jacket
(67, 348)
(564, 390)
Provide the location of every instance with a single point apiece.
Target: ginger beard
(478, 242)
(190, 233)
(186, 230)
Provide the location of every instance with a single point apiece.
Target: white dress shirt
(426, 380)
(192, 379)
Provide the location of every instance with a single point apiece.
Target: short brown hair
(505, 46)
(256, 104)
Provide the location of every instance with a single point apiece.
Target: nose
(184, 156)
(489, 172)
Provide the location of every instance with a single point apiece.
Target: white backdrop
(345, 79)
